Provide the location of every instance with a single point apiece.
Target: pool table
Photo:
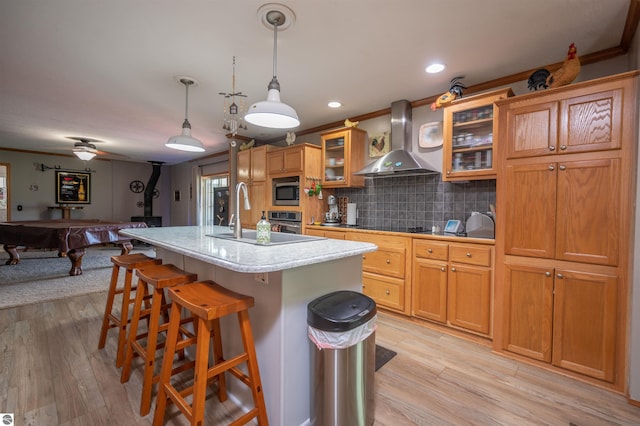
(69, 236)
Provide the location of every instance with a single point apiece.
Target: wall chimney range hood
(400, 161)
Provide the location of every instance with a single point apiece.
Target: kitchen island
(283, 279)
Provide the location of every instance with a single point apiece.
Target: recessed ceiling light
(334, 104)
(434, 68)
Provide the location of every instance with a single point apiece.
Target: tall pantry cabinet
(565, 199)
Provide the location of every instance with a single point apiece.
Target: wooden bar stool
(111, 320)
(208, 302)
(146, 344)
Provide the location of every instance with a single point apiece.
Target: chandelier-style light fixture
(273, 113)
(233, 120)
(184, 141)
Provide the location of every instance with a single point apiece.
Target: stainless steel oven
(286, 221)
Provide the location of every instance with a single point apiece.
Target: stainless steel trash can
(341, 328)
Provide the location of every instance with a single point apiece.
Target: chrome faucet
(234, 222)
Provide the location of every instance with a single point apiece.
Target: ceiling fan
(85, 149)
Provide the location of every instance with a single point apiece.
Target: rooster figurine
(455, 91)
(543, 78)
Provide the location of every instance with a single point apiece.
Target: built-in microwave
(286, 191)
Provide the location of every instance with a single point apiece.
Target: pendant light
(273, 113)
(184, 141)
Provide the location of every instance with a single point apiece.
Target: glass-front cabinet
(468, 148)
(342, 155)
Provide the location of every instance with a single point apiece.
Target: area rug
(41, 275)
(383, 355)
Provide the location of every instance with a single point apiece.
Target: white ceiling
(107, 69)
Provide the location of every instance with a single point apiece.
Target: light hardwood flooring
(51, 373)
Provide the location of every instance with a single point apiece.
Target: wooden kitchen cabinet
(286, 161)
(386, 272)
(563, 317)
(468, 137)
(336, 235)
(582, 122)
(343, 153)
(556, 210)
(565, 191)
(452, 284)
(251, 165)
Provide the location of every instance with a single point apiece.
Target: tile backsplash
(397, 203)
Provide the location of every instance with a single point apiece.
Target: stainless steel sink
(277, 238)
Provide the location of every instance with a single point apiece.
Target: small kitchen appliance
(480, 226)
(332, 217)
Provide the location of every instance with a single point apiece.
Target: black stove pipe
(151, 186)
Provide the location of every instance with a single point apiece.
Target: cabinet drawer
(388, 292)
(387, 261)
(428, 249)
(473, 255)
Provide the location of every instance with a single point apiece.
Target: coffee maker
(332, 217)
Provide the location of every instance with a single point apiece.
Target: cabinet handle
(552, 148)
(562, 167)
(448, 172)
(551, 167)
(387, 292)
(453, 269)
(364, 257)
(563, 147)
(388, 261)
(548, 274)
(468, 254)
(429, 250)
(560, 276)
(443, 269)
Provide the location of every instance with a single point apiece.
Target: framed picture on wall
(379, 144)
(73, 187)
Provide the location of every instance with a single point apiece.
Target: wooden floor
(51, 373)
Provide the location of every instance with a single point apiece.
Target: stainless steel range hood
(401, 160)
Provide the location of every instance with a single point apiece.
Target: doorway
(215, 200)
(5, 199)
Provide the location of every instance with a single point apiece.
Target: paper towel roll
(351, 213)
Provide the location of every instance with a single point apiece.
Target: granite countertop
(196, 242)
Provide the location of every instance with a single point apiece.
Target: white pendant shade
(84, 155)
(184, 141)
(272, 113)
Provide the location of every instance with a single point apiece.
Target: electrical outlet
(262, 277)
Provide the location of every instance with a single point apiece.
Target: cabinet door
(592, 122)
(530, 212)
(293, 160)
(469, 297)
(429, 297)
(532, 130)
(258, 163)
(584, 325)
(336, 235)
(258, 201)
(244, 166)
(275, 163)
(528, 305)
(588, 211)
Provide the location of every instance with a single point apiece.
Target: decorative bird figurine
(455, 92)
(349, 123)
(543, 78)
(247, 145)
(291, 138)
